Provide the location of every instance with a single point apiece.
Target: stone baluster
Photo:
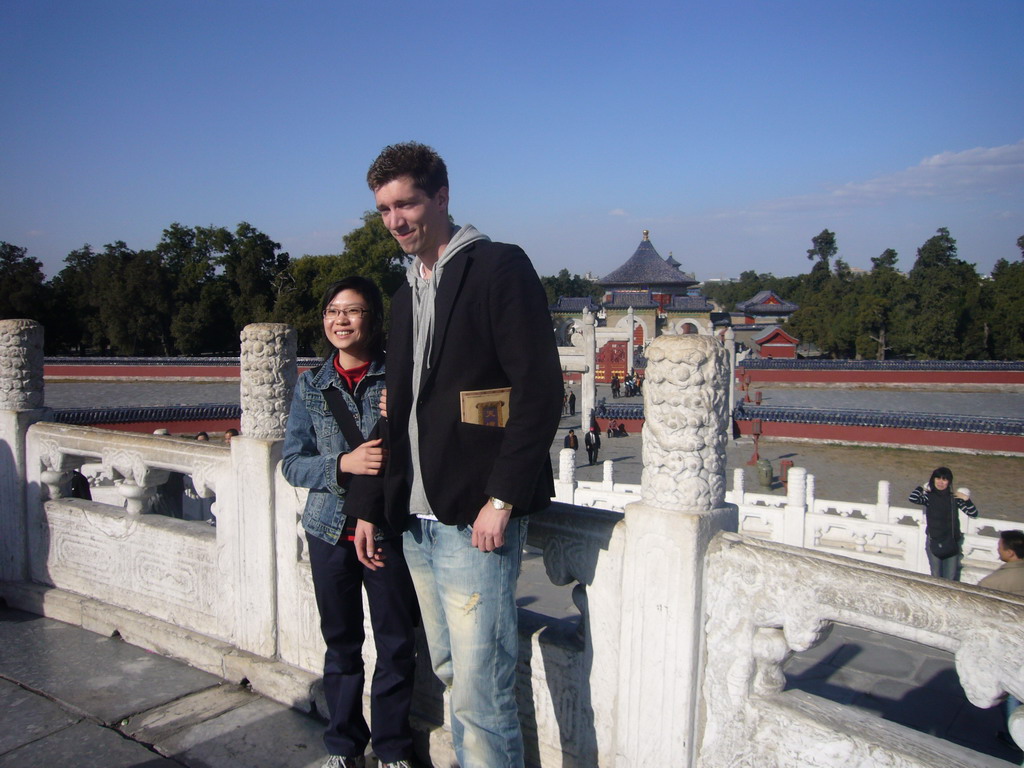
(245, 516)
(608, 475)
(881, 512)
(795, 511)
(588, 381)
(139, 490)
(667, 534)
(565, 485)
(739, 485)
(630, 344)
(730, 347)
(21, 405)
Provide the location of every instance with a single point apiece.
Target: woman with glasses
(328, 449)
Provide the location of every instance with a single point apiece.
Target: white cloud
(618, 212)
(969, 174)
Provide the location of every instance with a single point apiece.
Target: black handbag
(945, 547)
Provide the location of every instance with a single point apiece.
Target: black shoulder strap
(342, 415)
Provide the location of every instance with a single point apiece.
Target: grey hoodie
(424, 291)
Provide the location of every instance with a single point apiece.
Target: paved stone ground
(69, 697)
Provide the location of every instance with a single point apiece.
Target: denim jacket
(313, 442)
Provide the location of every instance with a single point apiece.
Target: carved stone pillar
(739, 485)
(667, 536)
(565, 484)
(268, 375)
(21, 365)
(21, 405)
(247, 528)
(881, 512)
(796, 508)
(631, 343)
(588, 388)
(730, 348)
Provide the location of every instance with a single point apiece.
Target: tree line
(199, 286)
(942, 309)
(192, 293)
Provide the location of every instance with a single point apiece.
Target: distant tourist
(1009, 577)
(79, 486)
(572, 403)
(571, 441)
(942, 508)
(228, 434)
(202, 437)
(592, 440)
(327, 446)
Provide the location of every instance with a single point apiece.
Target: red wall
(807, 376)
(888, 435)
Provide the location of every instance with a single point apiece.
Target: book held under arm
(486, 407)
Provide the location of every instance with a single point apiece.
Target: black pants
(337, 581)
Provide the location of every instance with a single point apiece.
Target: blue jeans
(468, 605)
(946, 568)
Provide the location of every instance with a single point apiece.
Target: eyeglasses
(352, 313)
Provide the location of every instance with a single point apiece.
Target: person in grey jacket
(319, 456)
(942, 508)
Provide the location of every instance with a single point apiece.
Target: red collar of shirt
(351, 376)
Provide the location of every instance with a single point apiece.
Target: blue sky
(733, 131)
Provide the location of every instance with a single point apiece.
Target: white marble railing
(155, 565)
(874, 532)
(790, 598)
(683, 628)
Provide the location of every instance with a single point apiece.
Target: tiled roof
(774, 331)
(766, 303)
(573, 304)
(689, 304)
(635, 299)
(645, 267)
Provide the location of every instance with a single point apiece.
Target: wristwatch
(499, 504)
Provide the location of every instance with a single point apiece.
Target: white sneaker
(337, 761)
(397, 764)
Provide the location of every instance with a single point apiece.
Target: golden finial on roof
(646, 233)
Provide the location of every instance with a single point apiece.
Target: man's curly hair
(418, 161)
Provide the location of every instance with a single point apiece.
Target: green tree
(202, 316)
(1004, 316)
(131, 293)
(78, 328)
(23, 294)
(880, 308)
(945, 293)
(563, 284)
(823, 249)
(253, 269)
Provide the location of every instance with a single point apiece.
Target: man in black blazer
(474, 390)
